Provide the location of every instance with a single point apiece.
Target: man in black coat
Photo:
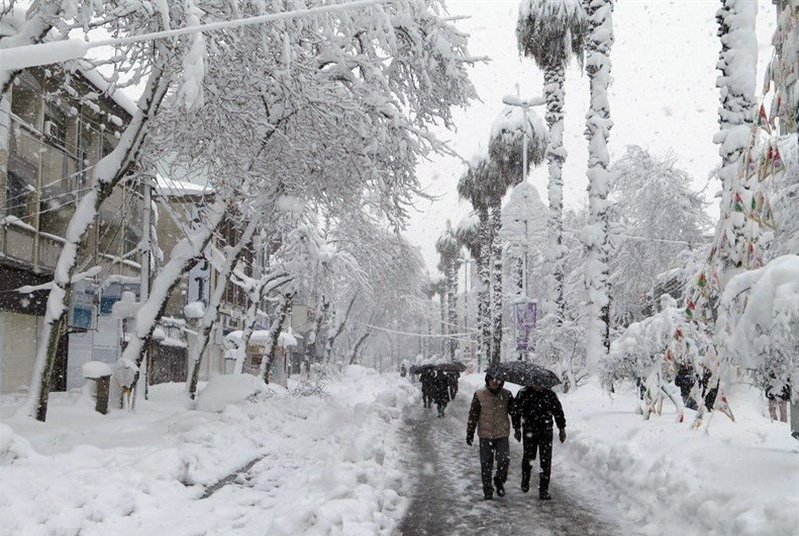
(534, 411)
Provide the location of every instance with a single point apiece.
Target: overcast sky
(663, 97)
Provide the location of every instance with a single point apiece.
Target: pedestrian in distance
(441, 392)
(453, 384)
(534, 411)
(685, 380)
(490, 414)
(427, 380)
(778, 394)
(403, 371)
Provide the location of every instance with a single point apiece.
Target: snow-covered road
(447, 500)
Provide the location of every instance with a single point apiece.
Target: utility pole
(146, 276)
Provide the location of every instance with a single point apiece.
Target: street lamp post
(525, 105)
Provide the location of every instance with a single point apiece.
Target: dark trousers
(490, 448)
(541, 441)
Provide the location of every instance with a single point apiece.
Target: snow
(738, 478)
(95, 369)
(222, 391)
(42, 54)
(286, 339)
(328, 465)
(194, 310)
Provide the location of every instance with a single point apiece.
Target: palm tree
(438, 286)
(472, 186)
(506, 169)
(449, 249)
(468, 234)
(552, 32)
(598, 124)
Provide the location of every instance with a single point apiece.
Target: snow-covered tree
(552, 32)
(599, 40)
(758, 326)
(656, 221)
(524, 231)
(352, 75)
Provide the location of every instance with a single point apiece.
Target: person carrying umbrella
(441, 391)
(490, 415)
(428, 382)
(535, 408)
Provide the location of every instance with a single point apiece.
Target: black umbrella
(524, 373)
(451, 367)
(418, 369)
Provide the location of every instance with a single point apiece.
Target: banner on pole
(526, 314)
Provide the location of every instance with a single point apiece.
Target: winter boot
(500, 487)
(543, 488)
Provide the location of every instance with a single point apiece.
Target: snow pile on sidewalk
(326, 465)
(737, 478)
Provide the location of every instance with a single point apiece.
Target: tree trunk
(319, 319)
(331, 340)
(598, 125)
(556, 155)
(232, 256)
(257, 291)
(186, 253)
(452, 312)
(484, 294)
(496, 291)
(108, 172)
(442, 299)
(361, 340)
(276, 328)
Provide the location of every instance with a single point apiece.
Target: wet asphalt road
(448, 498)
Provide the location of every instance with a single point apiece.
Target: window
(20, 194)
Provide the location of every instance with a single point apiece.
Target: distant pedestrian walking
(441, 392)
(490, 415)
(534, 411)
(778, 394)
(453, 384)
(428, 381)
(403, 371)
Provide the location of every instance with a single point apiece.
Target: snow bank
(222, 391)
(738, 479)
(315, 466)
(12, 447)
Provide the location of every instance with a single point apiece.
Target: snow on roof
(167, 187)
(11, 23)
(259, 336)
(97, 80)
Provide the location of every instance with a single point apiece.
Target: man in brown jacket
(490, 415)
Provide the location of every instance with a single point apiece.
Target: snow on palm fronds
(447, 244)
(507, 140)
(468, 234)
(551, 31)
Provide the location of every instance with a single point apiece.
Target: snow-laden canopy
(551, 31)
(524, 216)
(759, 317)
(508, 133)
